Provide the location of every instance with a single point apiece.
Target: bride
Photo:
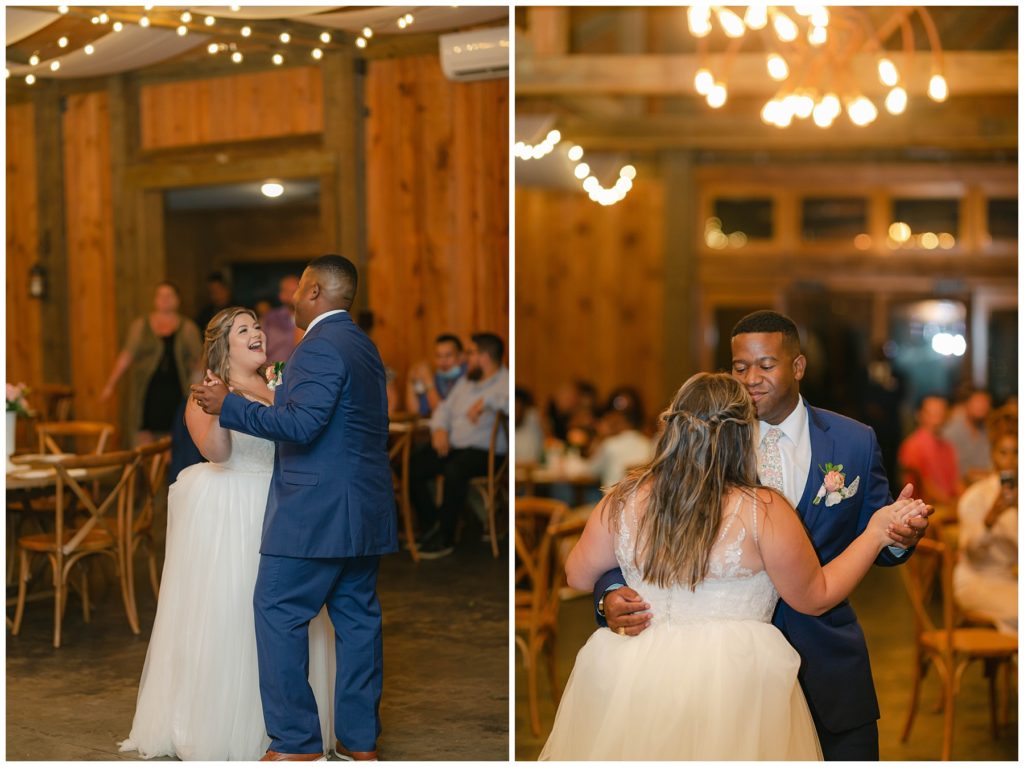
(711, 552)
(199, 697)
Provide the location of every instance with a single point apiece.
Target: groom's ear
(314, 291)
(799, 367)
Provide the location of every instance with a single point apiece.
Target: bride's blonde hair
(215, 350)
(705, 448)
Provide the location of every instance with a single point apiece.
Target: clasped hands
(210, 394)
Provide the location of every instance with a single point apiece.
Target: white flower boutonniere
(275, 375)
(834, 488)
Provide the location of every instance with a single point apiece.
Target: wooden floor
(885, 614)
(445, 667)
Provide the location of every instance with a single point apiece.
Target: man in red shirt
(928, 458)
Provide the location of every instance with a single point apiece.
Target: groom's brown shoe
(353, 756)
(274, 756)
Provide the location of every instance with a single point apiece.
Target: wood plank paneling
(92, 321)
(235, 108)
(589, 292)
(437, 206)
(24, 350)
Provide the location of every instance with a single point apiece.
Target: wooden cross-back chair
(100, 533)
(493, 488)
(82, 437)
(399, 452)
(146, 485)
(53, 401)
(947, 645)
(538, 576)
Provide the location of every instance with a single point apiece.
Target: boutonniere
(833, 488)
(275, 375)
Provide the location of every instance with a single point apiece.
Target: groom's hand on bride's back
(625, 609)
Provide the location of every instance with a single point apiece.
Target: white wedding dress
(711, 678)
(199, 698)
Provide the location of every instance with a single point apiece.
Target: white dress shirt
(795, 448)
(319, 317)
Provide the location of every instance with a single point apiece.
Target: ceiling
(38, 30)
(242, 196)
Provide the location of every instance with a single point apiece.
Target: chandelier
(810, 50)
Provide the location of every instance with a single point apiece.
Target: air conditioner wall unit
(480, 54)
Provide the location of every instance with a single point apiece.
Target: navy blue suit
(834, 672)
(330, 515)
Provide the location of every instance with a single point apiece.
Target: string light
(716, 96)
(186, 17)
(698, 18)
(817, 35)
(732, 24)
(526, 151)
(104, 18)
(62, 9)
(778, 69)
(30, 79)
(118, 26)
(212, 48)
(209, 21)
(55, 65)
(278, 59)
(896, 101)
(63, 42)
(33, 60)
(144, 21)
(861, 111)
(182, 30)
(246, 31)
(756, 16)
(236, 8)
(575, 153)
(703, 81)
(325, 37)
(285, 37)
(89, 49)
(237, 57)
(317, 54)
(938, 90)
(367, 33)
(887, 72)
(361, 42)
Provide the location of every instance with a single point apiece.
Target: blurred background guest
(163, 352)
(219, 297)
(263, 307)
(985, 577)
(279, 323)
(576, 400)
(927, 459)
(621, 442)
(425, 389)
(529, 434)
(965, 430)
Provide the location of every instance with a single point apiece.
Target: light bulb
(272, 189)
(360, 42)
(89, 49)
(831, 103)
(118, 26)
(246, 31)
(236, 8)
(30, 78)
(803, 106)
(823, 116)
(54, 66)
(732, 24)
(401, 23)
(627, 172)
(591, 184)
(62, 9)
(317, 54)
(575, 153)
(778, 69)
(278, 59)
(698, 18)
(367, 33)
(285, 37)
(408, 18)
(887, 72)
(785, 27)
(817, 35)
(820, 17)
(756, 16)
(144, 21)
(104, 18)
(325, 37)
(717, 95)
(938, 90)
(33, 60)
(862, 112)
(185, 17)
(182, 30)
(209, 21)
(553, 137)
(212, 48)
(769, 112)
(63, 42)
(582, 171)
(703, 81)
(896, 101)
(237, 57)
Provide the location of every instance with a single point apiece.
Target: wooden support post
(682, 327)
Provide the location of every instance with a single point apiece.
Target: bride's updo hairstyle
(706, 447)
(215, 349)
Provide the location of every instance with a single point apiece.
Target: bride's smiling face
(247, 346)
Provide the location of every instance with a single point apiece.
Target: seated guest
(425, 390)
(279, 324)
(928, 460)
(966, 432)
(460, 440)
(219, 294)
(529, 435)
(984, 579)
(572, 400)
(623, 444)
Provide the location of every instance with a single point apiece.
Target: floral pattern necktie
(769, 469)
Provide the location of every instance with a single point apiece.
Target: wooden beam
(299, 164)
(680, 321)
(957, 125)
(52, 239)
(966, 72)
(548, 31)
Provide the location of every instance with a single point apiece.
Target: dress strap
(754, 514)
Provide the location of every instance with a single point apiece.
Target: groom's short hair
(342, 270)
(491, 345)
(767, 321)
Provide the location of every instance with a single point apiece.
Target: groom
(796, 442)
(330, 515)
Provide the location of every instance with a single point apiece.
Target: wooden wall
(92, 323)
(590, 291)
(437, 206)
(24, 348)
(282, 102)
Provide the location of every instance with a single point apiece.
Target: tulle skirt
(708, 690)
(199, 698)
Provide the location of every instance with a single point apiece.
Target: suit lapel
(822, 452)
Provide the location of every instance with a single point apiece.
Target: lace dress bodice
(736, 588)
(252, 455)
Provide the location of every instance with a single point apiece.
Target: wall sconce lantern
(37, 286)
